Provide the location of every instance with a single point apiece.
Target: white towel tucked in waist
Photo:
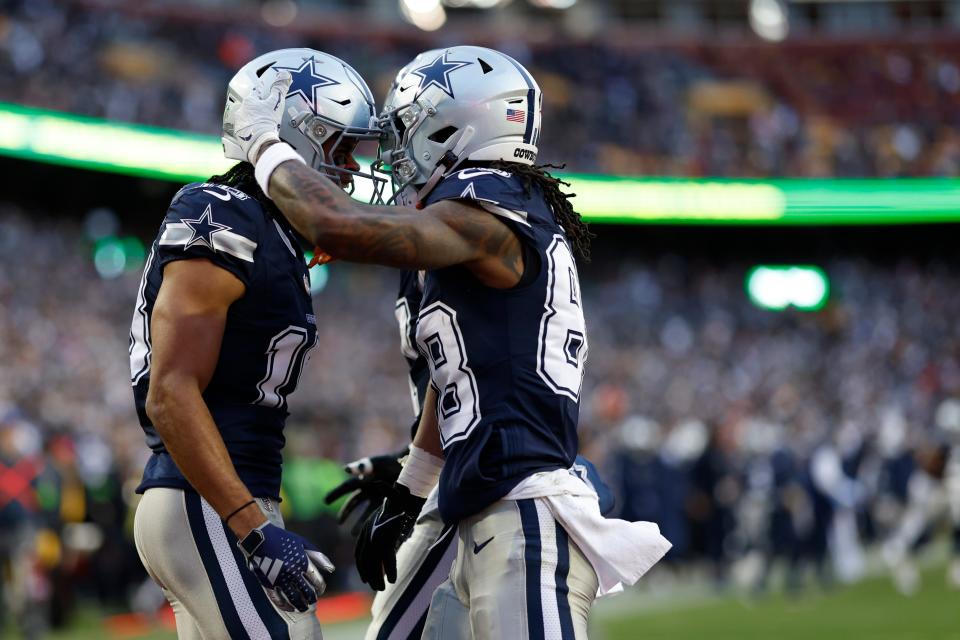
(619, 551)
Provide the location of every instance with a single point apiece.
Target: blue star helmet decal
(306, 81)
(437, 73)
(203, 229)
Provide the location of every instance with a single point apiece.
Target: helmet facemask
(396, 126)
(327, 140)
(411, 180)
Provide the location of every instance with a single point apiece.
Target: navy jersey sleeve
(493, 190)
(214, 222)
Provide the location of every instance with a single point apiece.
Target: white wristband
(270, 160)
(420, 472)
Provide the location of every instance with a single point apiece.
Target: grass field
(870, 610)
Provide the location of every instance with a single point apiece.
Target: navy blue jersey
(507, 365)
(407, 310)
(267, 339)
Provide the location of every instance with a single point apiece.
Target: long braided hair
(240, 176)
(574, 227)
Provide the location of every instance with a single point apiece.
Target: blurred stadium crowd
(823, 108)
(749, 436)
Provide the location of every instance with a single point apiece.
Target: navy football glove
(287, 566)
(589, 473)
(382, 533)
(371, 481)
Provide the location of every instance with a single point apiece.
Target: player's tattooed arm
(186, 329)
(441, 235)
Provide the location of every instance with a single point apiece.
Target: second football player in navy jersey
(267, 338)
(424, 560)
(222, 328)
(506, 365)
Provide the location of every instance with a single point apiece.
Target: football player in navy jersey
(502, 328)
(424, 560)
(222, 327)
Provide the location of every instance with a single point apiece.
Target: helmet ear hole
(442, 135)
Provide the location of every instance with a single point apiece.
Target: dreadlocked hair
(240, 176)
(574, 227)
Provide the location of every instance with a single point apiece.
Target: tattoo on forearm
(349, 230)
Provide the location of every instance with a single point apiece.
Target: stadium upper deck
(731, 106)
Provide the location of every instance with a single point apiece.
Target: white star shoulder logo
(203, 229)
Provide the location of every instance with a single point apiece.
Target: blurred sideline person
(931, 499)
(24, 592)
(222, 327)
(502, 326)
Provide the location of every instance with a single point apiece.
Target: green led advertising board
(49, 136)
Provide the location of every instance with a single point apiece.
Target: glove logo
(287, 566)
(270, 568)
(378, 523)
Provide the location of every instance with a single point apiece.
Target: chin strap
(446, 164)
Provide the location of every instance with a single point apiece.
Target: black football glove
(382, 533)
(372, 480)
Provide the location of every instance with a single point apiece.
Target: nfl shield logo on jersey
(306, 283)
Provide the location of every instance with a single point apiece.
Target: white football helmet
(452, 105)
(326, 99)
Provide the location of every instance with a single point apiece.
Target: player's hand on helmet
(287, 566)
(371, 480)
(381, 535)
(257, 119)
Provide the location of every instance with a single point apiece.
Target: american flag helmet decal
(516, 115)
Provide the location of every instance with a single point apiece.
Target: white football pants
(193, 556)
(517, 575)
(423, 563)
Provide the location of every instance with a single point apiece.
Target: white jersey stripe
(140, 347)
(246, 610)
(177, 234)
(234, 244)
(283, 237)
(493, 206)
(552, 629)
(510, 214)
